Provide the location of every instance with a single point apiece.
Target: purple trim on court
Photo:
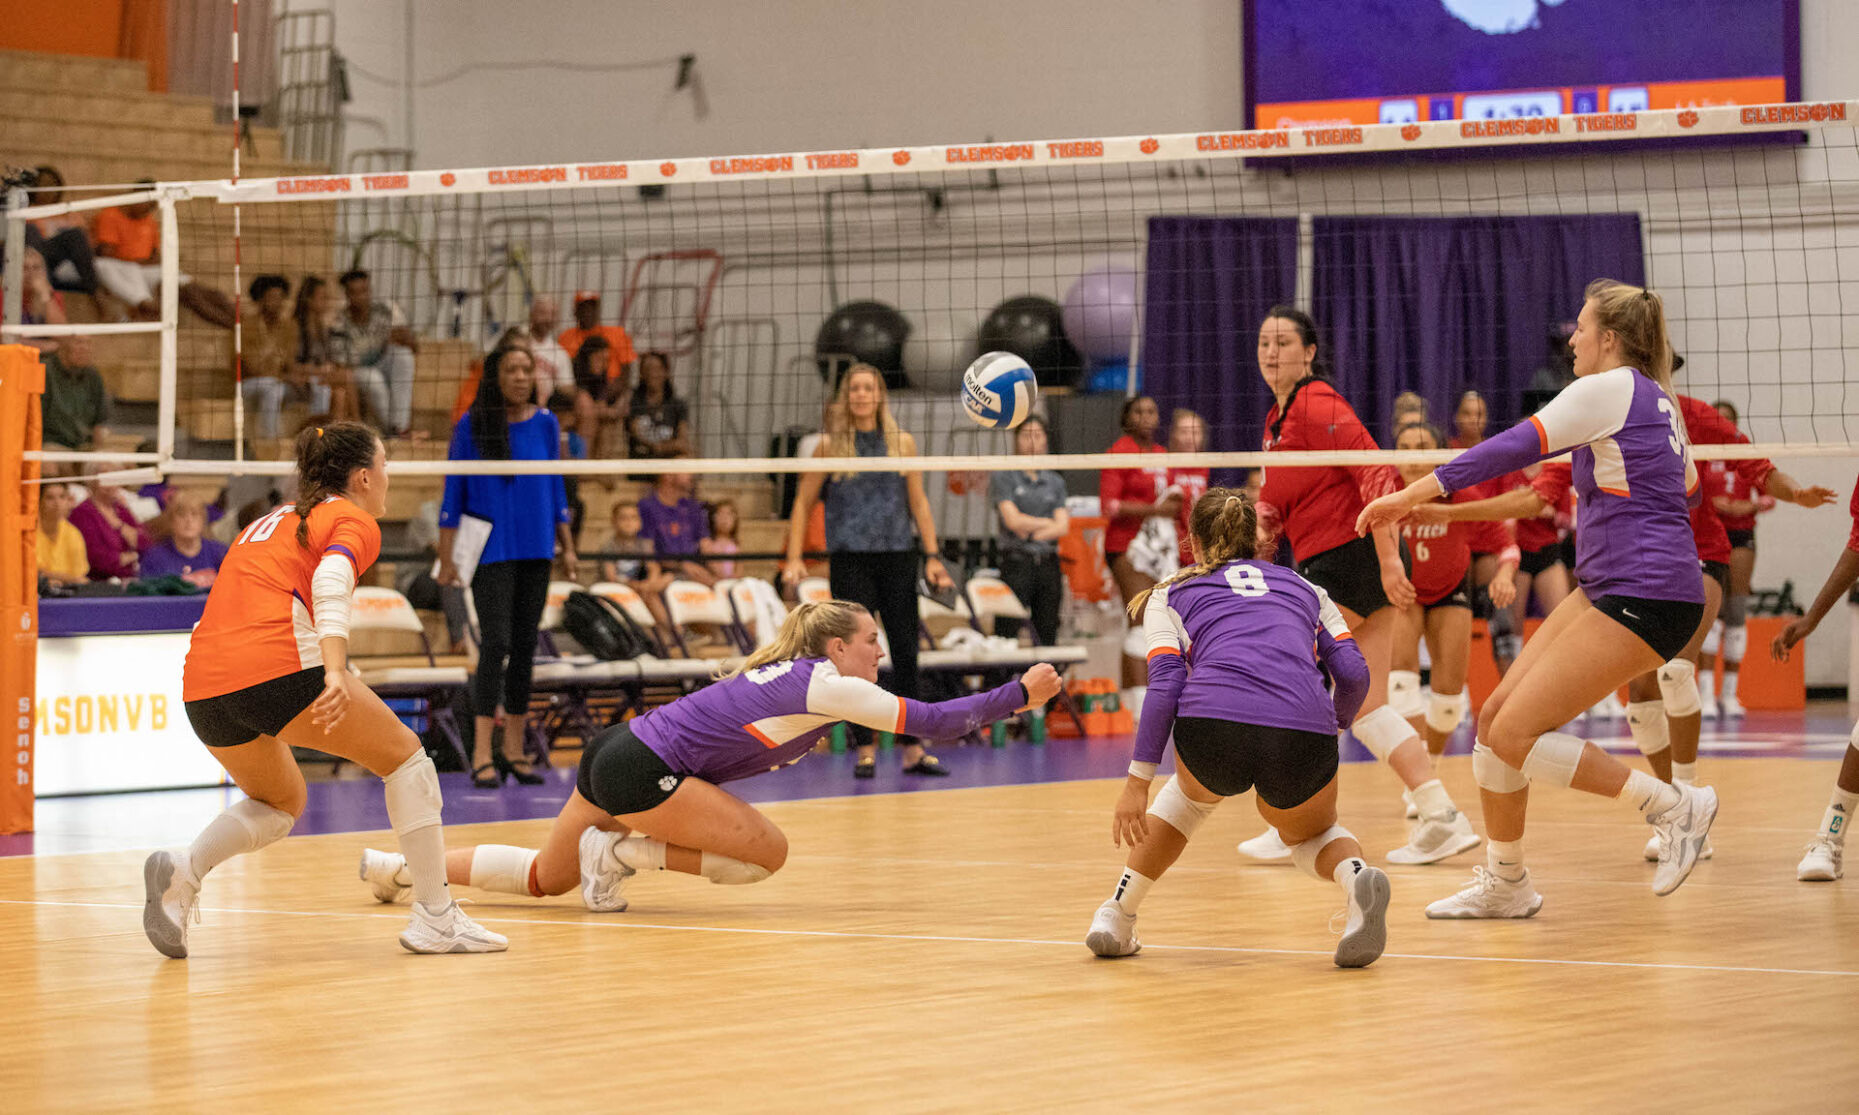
(171, 817)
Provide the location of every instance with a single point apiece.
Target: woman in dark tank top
(869, 516)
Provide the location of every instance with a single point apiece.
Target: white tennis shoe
(1821, 864)
(1113, 932)
(602, 874)
(1436, 838)
(1683, 830)
(169, 902)
(1365, 931)
(1267, 847)
(383, 871)
(1651, 851)
(449, 930)
(1488, 896)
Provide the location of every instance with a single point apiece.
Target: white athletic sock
(1685, 773)
(1347, 871)
(1432, 800)
(246, 826)
(1504, 858)
(1648, 794)
(424, 849)
(1839, 816)
(641, 853)
(503, 868)
(1131, 887)
(1729, 684)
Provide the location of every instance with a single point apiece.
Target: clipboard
(468, 547)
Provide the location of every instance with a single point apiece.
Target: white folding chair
(385, 611)
(990, 598)
(814, 590)
(693, 603)
(759, 611)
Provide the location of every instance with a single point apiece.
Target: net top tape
(1716, 120)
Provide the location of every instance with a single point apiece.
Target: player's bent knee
(1735, 643)
(1404, 694)
(1304, 853)
(413, 800)
(1446, 710)
(729, 871)
(1494, 774)
(1181, 812)
(1553, 758)
(1678, 684)
(267, 822)
(1382, 731)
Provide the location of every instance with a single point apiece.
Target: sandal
(487, 777)
(928, 765)
(866, 768)
(519, 769)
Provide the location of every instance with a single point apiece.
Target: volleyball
(998, 390)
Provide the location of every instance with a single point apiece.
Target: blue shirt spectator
(522, 510)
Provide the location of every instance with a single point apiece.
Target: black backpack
(603, 628)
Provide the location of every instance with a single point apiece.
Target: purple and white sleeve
(1591, 408)
(1168, 674)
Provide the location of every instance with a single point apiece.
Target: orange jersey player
(267, 670)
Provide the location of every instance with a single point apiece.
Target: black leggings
(67, 246)
(886, 583)
(1040, 585)
(509, 596)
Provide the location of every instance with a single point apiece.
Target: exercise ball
(1033, 329)
(940, 346)
(1112, 377)
(863, 333)
(1100, 312)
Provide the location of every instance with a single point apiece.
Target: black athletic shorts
(1717, 571)
(1742, 539)
(1285, 765)
(1351, 574)
(243, 715)
(621, 775)
(1664, 625)
(1459, 596)
(1535, 561)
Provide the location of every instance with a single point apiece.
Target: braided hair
(326, 457)
(1225, 524)
(490, 411)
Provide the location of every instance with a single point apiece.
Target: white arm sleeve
(332, 590)
(1591, 408)
(854, 699)
(1161, 626)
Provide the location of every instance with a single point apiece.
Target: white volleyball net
(1435, 257)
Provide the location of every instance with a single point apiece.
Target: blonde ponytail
(805, 633)
(1226, 525)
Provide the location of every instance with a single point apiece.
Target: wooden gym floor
(922, 952)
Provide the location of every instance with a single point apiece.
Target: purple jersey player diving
(1233, 676)
(648, 794)
(1640, 599)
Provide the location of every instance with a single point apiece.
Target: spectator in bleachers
(113, 540)
(554, 367)
(316, 361)
(587, 324)
(39, 303)
(574, 448)
(184, 551)
(270, 373)
(76, 407)
(1031, 505)
(675, 523)
(658, 422)
(529, 526)
(127, 240)
(62, 556)
(647, 577)
(63, 240)
(725, 522)
(598, 408)
(372, 339)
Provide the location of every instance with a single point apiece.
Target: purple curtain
(1208, 284)
(1436, 305)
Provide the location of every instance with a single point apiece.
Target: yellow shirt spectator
(62, 557)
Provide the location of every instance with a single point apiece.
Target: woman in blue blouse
(529, 520)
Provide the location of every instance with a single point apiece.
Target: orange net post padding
(22, 381)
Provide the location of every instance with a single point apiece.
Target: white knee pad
(1382, 731)
(1304, 855)
(413, 801)
(1678, 682)
(267, 824)
(730, 871)
(1494, 774)
(1178, 809)
(1404, 693)
(1711, 641)
(1646, 720)
(1735, 642)
(1553, 758)
(1445, 711)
